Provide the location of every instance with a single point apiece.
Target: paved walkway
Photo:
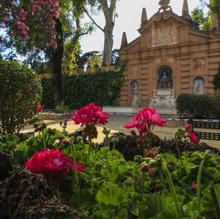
(71, 127)
(116, 124)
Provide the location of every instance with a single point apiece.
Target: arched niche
(199, 86)
(134, 86)
(164, 78)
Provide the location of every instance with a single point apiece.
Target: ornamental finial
(164, 4)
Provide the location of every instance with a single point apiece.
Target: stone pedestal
(163, 99)
(135, 100)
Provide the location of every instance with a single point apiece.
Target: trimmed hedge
(103, 88)
(198, 106)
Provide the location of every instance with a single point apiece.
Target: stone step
(165, 112)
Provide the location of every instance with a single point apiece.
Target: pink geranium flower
(145, 120)
(90, 115)
(80, 167)
(39, 108)
(191, 134)
(193, 138)
(52, 164)
(194, 186)
(49, 161)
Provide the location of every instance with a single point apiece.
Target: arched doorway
(164, 78)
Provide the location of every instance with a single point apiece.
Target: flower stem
(75, 174)
(43, 138)
(215, 200)
(172, 189)
(199, 177)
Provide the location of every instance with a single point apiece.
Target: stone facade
(169, 58)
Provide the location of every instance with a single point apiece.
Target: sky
(129, 18)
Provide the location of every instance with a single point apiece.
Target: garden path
(116, 124)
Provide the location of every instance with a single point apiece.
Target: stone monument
(164, 95)
(163, 99)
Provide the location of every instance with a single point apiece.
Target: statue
(164, 4)
(134, 93)
(164, 81)
(198, 86)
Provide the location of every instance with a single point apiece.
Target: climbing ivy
(102, 88)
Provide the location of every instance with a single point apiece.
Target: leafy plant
(8, 143)
(161, 185)
(103, 88)
(62, 108)
(20, 91)
(195, 106)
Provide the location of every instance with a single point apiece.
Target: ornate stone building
(169, 58)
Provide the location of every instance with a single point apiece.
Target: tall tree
(41, 24)
(210, 20)
(108, 7)
(200, 20)
(214, 6)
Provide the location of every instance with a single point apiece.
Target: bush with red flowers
(144, 121)
(89, 116)
(184, 183)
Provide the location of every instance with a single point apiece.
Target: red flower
(90, 115)
(52, 164)
(144, 120)
(39, 108)
(80, 167)
(49, 161)
(151, 153)
(191, 134)
(29, 110)
(193, 138)
(194, 186)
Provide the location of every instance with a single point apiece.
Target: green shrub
(102, 88)
(47, 93)
(20, 90)
(198, 106)
(216, 81)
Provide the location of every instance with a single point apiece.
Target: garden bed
(60, 175)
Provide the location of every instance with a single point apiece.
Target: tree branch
(93, 20)
(113, 4)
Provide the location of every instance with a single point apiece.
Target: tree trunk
(108, 42)
(56, 59)
(108, 10)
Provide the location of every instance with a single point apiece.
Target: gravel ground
(116, 123)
